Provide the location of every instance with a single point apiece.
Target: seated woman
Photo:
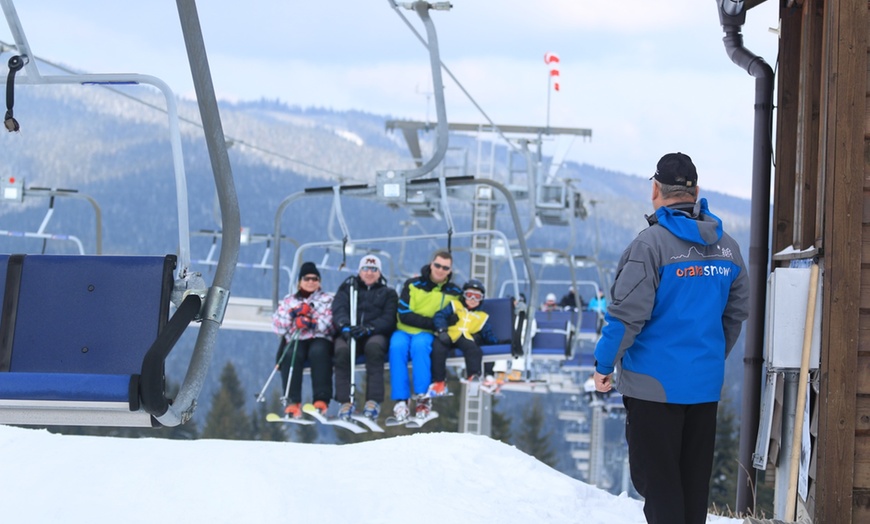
(304, 320)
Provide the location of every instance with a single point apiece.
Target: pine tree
(306, 434)
(269, 431)
(447, 408)
(532, 439)
(227, 418)
(501, 423)
(723, 483)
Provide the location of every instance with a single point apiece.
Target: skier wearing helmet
(464, 326)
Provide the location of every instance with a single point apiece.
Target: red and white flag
(552, 59)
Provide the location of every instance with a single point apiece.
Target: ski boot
(490, 384)
(424, 406)
(401, 411)
(294, 410)
(321, 406)
(345, 412)
(372, 409)
(438, 389)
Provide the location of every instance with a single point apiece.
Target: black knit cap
(308, 268)
(676, 169)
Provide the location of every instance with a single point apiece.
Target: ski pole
(353, 306)
(295, 339)
(261, 397)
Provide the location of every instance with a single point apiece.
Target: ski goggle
(473, 295)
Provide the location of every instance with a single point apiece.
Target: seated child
(462, 325)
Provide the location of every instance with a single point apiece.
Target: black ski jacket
(376, 306)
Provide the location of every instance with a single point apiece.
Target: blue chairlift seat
(581, 361)
(589, 325)
(553, 335)
(75, 337)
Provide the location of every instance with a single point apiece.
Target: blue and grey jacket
(680, 295)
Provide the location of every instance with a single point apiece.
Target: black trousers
(318, 353)
(670, 454)
(375, 349)
(470, 350)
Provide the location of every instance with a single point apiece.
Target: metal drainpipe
(732, 15)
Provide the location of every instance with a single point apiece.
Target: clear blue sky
(646, 77)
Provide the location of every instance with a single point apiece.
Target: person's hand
(302, 309)
(444, 337)
(603, 383)
(452, 319)
(360, 331)
(345, 332)
(305, 322)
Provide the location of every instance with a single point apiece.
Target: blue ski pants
(417, 348)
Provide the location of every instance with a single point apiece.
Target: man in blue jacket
(678, 301)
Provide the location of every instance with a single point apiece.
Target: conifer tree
(723, 482)
(227, 418)
(269, 431)
(500, 424)
(532, 439)
(306, 434)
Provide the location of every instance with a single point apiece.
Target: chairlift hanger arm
(218, 295)
(422, 10)
(341, 188)
(73, 193)
(174, 133)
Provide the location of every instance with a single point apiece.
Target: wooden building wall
(821, 199)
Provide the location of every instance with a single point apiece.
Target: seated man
(375, 321)
(420, 299)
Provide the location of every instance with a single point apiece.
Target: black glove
(452, 319)
(444, 337)
(345, 332)
(360, 331)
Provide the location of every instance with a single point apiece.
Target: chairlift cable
(455, 80)
(5, 46)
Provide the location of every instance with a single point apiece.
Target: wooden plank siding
(822, 198)
(787, 146)
(807, 184)
(841, 473)
(861, 475)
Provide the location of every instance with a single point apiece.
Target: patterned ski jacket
(680, 295)
(376, 306)
(421, 299)
(470, 322)
(311, 316)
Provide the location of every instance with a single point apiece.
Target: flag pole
(552, 61)
(549, 84)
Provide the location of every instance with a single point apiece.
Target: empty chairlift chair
(553, 336)
(84, 338)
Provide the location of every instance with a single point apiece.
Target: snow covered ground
(423, 478)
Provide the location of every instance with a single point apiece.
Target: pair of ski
(475, 387)
(411, 422)
(316, 416)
